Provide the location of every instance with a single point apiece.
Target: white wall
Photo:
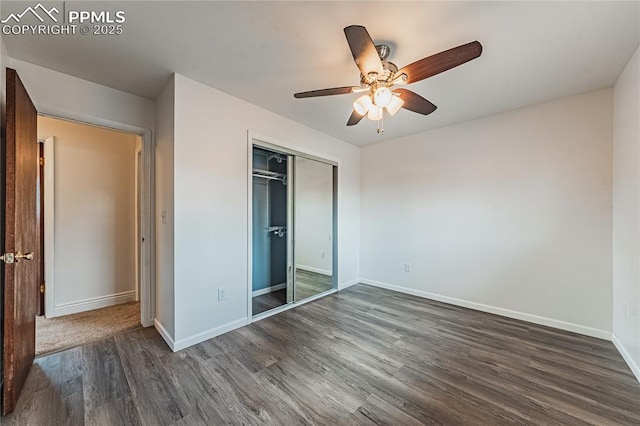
(510, 213)
(60, 94)
(626, 214)
(165, 319)
(94, 225)
(313, 215)
(211, 204)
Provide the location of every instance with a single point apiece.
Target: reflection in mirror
(313, 222)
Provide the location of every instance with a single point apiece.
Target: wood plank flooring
(359, 357)
(307, 284)
(266, 302)
(311, 283)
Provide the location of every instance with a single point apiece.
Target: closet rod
(268, 177)
(267, 174)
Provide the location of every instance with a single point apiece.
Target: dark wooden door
(21, 240)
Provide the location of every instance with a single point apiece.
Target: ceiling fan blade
(354, 119)
(363, 50)
(324, 92)
(440, 62)
(414, 102)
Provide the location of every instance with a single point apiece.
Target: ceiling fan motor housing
(390, 69)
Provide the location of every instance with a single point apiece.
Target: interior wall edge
(347, 284)
(164, 333)
(635, 369)
(523, 316)
(626, 213)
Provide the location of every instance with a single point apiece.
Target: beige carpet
(56, 334)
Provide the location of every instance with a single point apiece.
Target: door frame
(267, 142)
(41, 208)
(290, 244)
(147, 243)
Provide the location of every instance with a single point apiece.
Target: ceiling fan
(379, 77)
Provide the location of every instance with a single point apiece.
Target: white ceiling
(263, 52)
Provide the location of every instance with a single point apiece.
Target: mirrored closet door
(313, 227)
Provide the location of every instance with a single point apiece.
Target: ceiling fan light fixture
(362, 104)
(382, 96)
(394, 105)
(375, 113)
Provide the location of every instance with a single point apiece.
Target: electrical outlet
(407, 267)
(322, 254)
(222, 294)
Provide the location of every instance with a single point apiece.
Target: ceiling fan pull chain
(381, 124)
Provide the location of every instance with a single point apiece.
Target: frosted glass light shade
(362, 104)
(375, 113)
(382, 96)
(394, 105)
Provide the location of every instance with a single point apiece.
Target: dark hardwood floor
(361, 356)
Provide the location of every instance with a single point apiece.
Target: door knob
(26, 256)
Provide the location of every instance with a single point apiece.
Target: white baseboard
(348, 284)
(312, 269)
(164, 333)
(625, 355)
(92, 303)
(208, 334)
(549, 322)
(267, 290)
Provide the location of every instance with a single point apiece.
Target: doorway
(22, 255)
(292, 228)
(90, 214)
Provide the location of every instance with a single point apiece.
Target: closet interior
(270, 236)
